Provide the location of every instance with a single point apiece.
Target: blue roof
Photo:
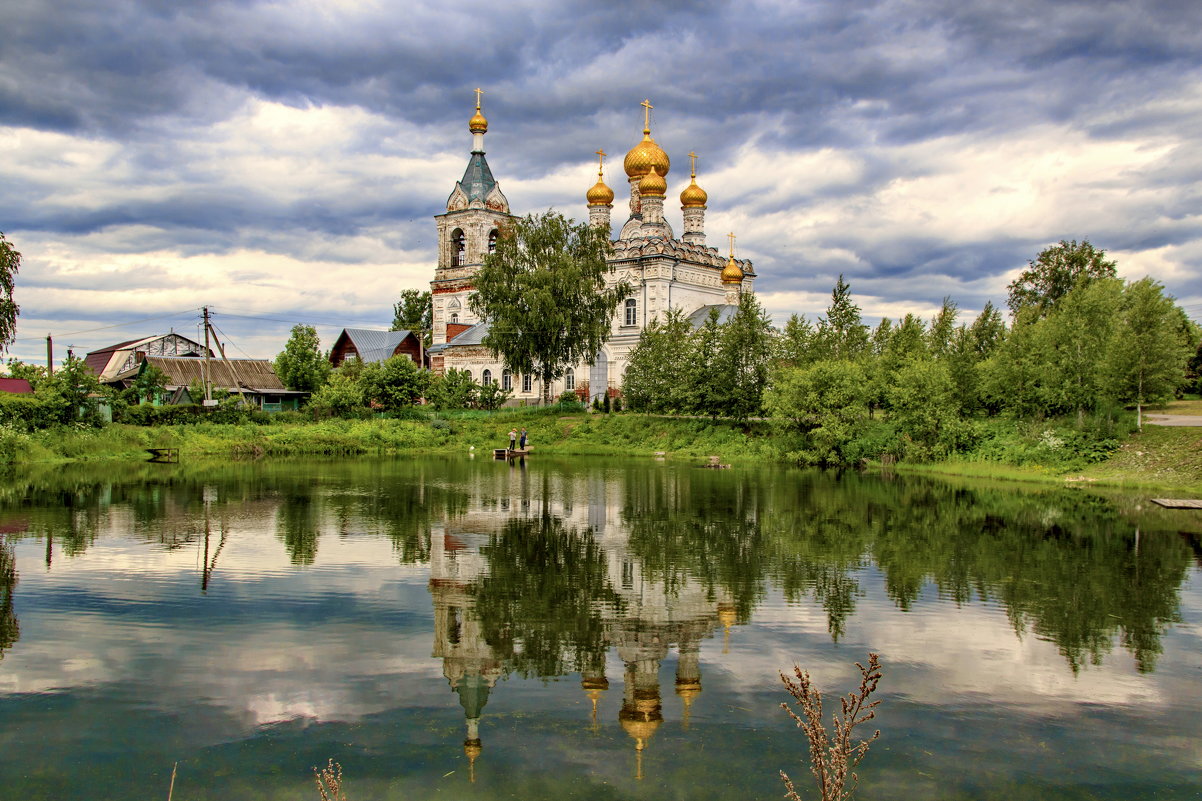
(725, 312)
(375, 346)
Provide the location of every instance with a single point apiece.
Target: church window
(632, 317)
(527, 383)
(569, 379)
(506, 380)
(454, 317)
(486, 378)
(492, 241)
(458, 248)
(468, 373)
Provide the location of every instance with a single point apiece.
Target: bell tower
(467, 232)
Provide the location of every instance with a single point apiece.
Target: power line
(108, 327)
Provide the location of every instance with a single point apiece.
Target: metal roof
(477, 179)
(725, 312)
(183, 371)
(373, 345)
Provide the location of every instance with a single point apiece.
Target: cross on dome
(646, 104)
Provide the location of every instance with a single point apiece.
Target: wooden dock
(1177, 503)
(508, 453)
(163, 454)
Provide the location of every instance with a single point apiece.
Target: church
(666, 271)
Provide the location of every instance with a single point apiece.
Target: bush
(29, 412)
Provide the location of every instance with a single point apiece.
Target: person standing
(523, 440)
(513, 438)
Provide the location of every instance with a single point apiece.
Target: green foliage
(823, 405)
(35, 374)
(491, 396)
(76, 390)
(923, 407)
(841, 333)
(342, 395)
(301, 365)
(30, 412)
(797, 345)
(394, 384)
(745, 347)
(1151, 349)
(544, 292)
(454, 389)
(414, 312)
(1074, 341)
(659, 365)
(150, 383)
(10, 264)
(1054, 273)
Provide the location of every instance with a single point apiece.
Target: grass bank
(1157, 457)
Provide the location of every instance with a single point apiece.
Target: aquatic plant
(833, 757)
(329, 782)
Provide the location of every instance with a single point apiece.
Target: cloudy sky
(282, 161)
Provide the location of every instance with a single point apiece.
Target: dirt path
(1173, 420)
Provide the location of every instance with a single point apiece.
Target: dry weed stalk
(833, 757)
(329, 782)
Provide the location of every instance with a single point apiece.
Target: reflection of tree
(541, 600)
(10, 629)
(299, 520)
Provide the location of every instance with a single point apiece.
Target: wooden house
(368, 345)
(115, 360)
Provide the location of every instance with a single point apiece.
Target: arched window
(486, 378)
(506, 380)
(468, 373)
(527, 382)
(632, 317)
(454, 317)
(458, 248)
(569, 379)
(492, 241)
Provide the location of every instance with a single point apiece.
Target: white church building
(666, 271)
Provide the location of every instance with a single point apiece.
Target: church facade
(665, 271)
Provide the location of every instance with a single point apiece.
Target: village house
(368, 345)
(254, 378)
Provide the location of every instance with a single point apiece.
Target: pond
(592, 629)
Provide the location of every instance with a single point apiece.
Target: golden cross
(693, 163)
(600, 161)
(732, 244)
(646, 104)
(479, 92)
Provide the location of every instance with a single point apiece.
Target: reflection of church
(666, 271)
(642, 627)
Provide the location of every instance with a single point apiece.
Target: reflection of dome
(472, 748)
(653, 184)
(693, 196)
(645, 155)
(639, 728)
(731, 274)
(600, 194)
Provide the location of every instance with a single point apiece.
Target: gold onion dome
(600, 194)
(693, 196)
(477, 124)
(645, 155)
(653, 184)
(731, 274)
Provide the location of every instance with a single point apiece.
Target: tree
(1076, 338)
(823, 402)
(150, 383)
(543, 292)
(414, 312)
(943, 328)
(301, 365)
(454, 389)
(842, 333)
(657, 372)
(394, 384)
(797, 344)
(744, 353)
(342, 394)
(10, 263)
(1151, 350)
(35, 374)
(1055, 271)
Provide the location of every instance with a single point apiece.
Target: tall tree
(301, 365)
(544, 293)
(943, 327)
(796, 346)
(395, 383)
(744, 353)
(842, 330)
(414, 312)
(1055, 271)
(1075, 347)
(659, 366)
(10, 263)
(1151, 349)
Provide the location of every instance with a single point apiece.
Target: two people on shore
(514, 439)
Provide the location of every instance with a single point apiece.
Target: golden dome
(653, 185)
(645, 155)
(693, 196)
(477, 124)
(732, 274)
(600, 194)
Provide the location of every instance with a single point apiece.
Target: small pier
(509, 453)
(163, 454)
(1177, 503)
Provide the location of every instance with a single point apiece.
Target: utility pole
(207, 373)
(49, 355)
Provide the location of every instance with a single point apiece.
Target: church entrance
(598, 376)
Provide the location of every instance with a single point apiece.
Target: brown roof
(183, 371)
(18, 386)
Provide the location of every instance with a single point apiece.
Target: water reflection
(319, 588)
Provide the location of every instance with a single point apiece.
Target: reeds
(329, 782)
(833, 756)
